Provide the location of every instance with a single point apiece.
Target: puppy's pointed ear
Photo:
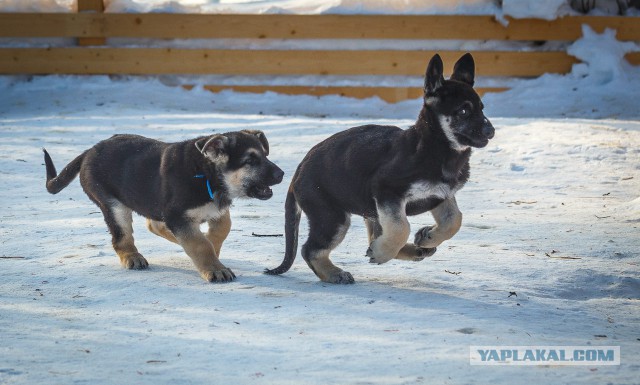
(213, 146)
(433, 78)
(261, 137)
(464, 70)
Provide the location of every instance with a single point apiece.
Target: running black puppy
(176, 186)
(384, 173)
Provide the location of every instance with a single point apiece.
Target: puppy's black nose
(487, 129)
(277, 175)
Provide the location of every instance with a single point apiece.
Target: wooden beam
(187, 26)
(633, 58)
(89, 6)
(388, 94)
(138, 61)
(569, 28)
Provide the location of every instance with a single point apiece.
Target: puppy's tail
(291, 224)
(55, 182)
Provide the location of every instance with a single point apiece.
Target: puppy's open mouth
(261, 192)
(478, 142)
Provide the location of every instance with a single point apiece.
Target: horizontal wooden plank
(267, 62)
(186, 26)
(90, 5)
(633, 58)
(569, 28)
(388, 94)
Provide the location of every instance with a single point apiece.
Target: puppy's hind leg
(119, 221)
(394, 224)
(326, 231)
(411, 252)
(118, 218)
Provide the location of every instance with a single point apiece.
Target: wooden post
(96, 6)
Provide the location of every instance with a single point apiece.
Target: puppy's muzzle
(487, 129)
(262, 190)
(276, 175)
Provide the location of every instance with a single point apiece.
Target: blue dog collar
(212, 195)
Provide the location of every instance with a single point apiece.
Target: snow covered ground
(548, 253)
(551, 213)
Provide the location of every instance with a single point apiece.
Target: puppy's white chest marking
(206, 212)
(426, 190)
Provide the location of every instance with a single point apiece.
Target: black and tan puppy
(384, 174)
(176, 186)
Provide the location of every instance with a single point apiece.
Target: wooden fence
(92, 54)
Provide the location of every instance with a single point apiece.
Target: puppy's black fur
(176, 186)
(384, 173)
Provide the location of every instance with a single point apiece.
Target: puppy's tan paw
(427, 237)
(378, 256)
(411, 252)
(133, 261)
(221, 275)
(422, 253)
(341, 277)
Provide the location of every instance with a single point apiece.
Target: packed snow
(548, 253)
(551, 214)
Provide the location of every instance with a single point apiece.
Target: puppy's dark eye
(252, 161)
(464, 110)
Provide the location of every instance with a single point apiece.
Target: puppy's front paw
(411, 252)
(377, 257)
(424, 237)
(133, 261)
(222, 275)
(422, 253)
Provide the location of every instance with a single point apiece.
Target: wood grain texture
(136, 61)
(195, 26)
